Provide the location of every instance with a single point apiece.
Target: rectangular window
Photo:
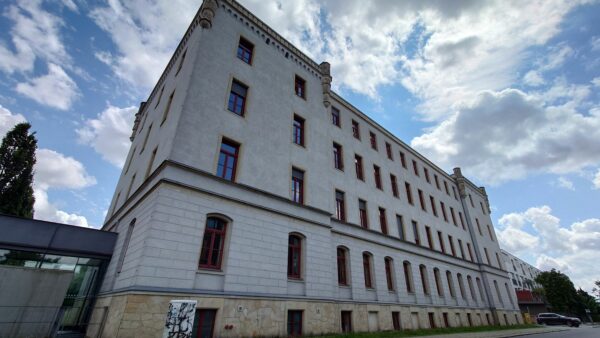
(228, 160)
(443, 207)
(451, 241)
(403, 160)
(478, 227)
(204, 322)
(362, 214)
(400, 225)
(245, 50)
(237, 98)
(487, 256)
(130, 187)
(482, 208)
(462, 250)
(213, 241)
(422, 199)
(335, 116)
(388, 273)
(346, 321)
(490, 232)
(431, 321)
(377, 175)
(453, 216)
(167, 108)
(341, 265)
(462, 220)
(300, 87)
(415, 227)
(294, 324)
(383, 221)
(441, 240)
(433, 208)
(388, 149)
(408, 193)
(129, 160)
(297, 185)
(355, 129)
(373, 139)
(359, 167)
(294, 257)
(367, 271)
(159, 97)
(394, 184)
(146, 139)
(426, 172)
(415, 168)
(470, 252)
(471, 200)
(298, 130)
(338, 161)
(446, 188)
(437, 181)
(151, 163)
(429, 239)
(340, 211)
(408, 277)
(454, 193)
(125, 246)
(396, 320)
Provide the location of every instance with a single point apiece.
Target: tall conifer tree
(17, 157)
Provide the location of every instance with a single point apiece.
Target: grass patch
(427, 332)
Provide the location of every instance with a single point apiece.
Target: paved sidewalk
(500, 334)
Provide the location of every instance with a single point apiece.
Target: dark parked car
(556, 319)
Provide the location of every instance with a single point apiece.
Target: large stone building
(522, 276)
(254, 189)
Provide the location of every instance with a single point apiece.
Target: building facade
(522, 276)
(254, 189)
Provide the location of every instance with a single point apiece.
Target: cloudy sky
(507, 90)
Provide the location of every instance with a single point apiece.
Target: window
(437, 181)
(433, 208)
(340, 212)
(204, 323)
(424, 279)
(355, 129)
(388, 149)
(245, 50)
(490, 232)
(415, 167)
(300, 87)
(446, 321)
(481, 294)
(335, 116)
(498, 260)
(213, 243)
(237, 98)
(362, 213)
(451, 241)
(294, 257)
(443, 207)
(298, 130)
(438, 282)
(359, 167)
(478, 227)
(125, 245)
(167, 108)
(487, 256)
(441, 240)
(389, 273)
(426, 172)
(159, 97)
(394, 184)
(428, 234)
(421, 199)
(431, 320)
(470, 320)
(338, 161)
(446, 187)
(373, 139)
(151, 163)
(146, 139)
(462, 250)
(396, 320)
(454, 193)
(462, 220)
(228, 160)
(346, 321)
(471, 200)
(415, 227)
(470, 252)
(342, 264)
(461, 286)
(367, 270)
(130, 186)
(408, 193)
(471, 288)
(297, 185)
(181, 62)
(403, 160)
(482, 208)
(450, 283)
(377, 174)
(383, 221)
(512, 302)
(131, 154)
(408, 277)
(294, 324)
(453, 216)
(498, 293)
(400, 225)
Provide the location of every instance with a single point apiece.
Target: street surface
(583, 331)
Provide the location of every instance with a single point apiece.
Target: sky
(507, 90)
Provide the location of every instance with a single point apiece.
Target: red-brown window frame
(433, 208)
(367, 270)
(415, 167)
(298, 130)
(228, 156)
(443, 207)
(294, 329)
(294, 251)
(300, 87)
(383, 221)
(335, 117)
(422, 200)
(342, 264)
(394, 184)
(297, 186)
(403, 159)
(362, 214)
(340, 206)
(408, 193)
(236, 97)
(388, 273)
(211, 234)
(355, 129)
(388, 150)
(377, 176)
(373, 140)
(245, 50)
(406, 266)
(338, 156)
(358, 166)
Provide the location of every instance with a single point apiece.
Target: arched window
(461, 286)
(424, 279)
(438, 282)
(389, 273)
(408, 276)
(450, 283)
(367, 270)
(471, 288)
(342, 265)
(294, 256)
(211, 254)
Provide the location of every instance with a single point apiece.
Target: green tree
(596, 290)
(17, 157)
(560, 291)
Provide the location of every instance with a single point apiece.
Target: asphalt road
(583, 331)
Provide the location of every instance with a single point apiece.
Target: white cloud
(533, 78)
(596, 81)
(109, 133)
(596, 180)
(569, 249)
(501, 136)
(55, 89)
(595, 42)
(8, 120)
(54, 170)
(564, 182)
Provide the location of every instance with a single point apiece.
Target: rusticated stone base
(136, 314)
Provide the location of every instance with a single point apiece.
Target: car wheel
(570, 324)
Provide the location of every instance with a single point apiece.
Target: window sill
(299, 145)
(210, 271)
(295, 280)
(344, 286)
